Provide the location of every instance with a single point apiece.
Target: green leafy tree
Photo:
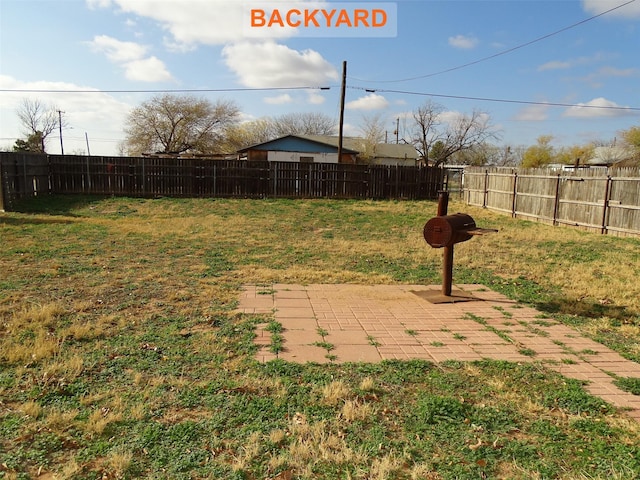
(574, 155)
(438, 152)
(33, 144)
(631, 137)
(539, 154)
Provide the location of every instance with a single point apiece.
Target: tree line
(175, 124)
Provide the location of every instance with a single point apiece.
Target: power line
(504, 52)
(498, 100)
(180, 90)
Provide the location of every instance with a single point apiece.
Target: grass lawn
(121, 357)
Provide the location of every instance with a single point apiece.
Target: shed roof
(289, 143)
(349, 145)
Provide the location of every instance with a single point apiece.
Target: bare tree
(245, 134)
(372, 133)
(238, 136)
(438, 138)
(38, 122)
(427, 121)
(311, 123)
(177, 124)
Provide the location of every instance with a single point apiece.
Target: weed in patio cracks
(482, 321)
(277, 340)
(326, 345)
(372, 341)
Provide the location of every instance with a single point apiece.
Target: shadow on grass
(589, 309)
(549, 301)
(32, 221)
(56, 204)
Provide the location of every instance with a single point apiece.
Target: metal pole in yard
(60, 112)
(605, 209)
(1, 189)
(342, 95)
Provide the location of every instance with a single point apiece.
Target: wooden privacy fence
(608, 202)
(27, 175)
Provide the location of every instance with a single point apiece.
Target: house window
(306, 159)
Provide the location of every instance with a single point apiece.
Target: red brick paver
(356, 323)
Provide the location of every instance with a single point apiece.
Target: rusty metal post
(443, 203)
(447, 271)
(447, 256)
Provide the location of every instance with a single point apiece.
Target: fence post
(88, 176)
(556, 204)
(605, 210)
(24, 175)
(1, 186)
(486, 189)
(143, 180)
(515, 194)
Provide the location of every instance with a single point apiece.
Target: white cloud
(93, 4)
(554, 65)
(147, 70)
(315, 98)
(596, 78)
(98, 114)
(210, 22)
(597, 108)
(268, 64)
(131, 57)
(218, 22)
(617, 72)
(462, 41)
(279, 100)
(372, 101)
(598, 6)
(116, 50)
(573, 62)
(532, 113)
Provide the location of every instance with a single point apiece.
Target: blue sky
(109, 55)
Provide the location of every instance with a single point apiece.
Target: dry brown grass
(334, 393)
(31, 409)
(527, 251)
(59, 420)
(368, 384)
(129, 275)
(353, 410)
(118, 462)
(100, 419)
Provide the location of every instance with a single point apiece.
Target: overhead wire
(172, 90)
(503, 52)
(498, 100)
(371, 90)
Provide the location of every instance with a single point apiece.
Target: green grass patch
(629, 384)
(121, 355)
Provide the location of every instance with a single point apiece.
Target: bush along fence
(28, 175)
(606, 201)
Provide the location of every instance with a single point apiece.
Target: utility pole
(397, 130)
(86, 137)
(342, 95)
(60, 126)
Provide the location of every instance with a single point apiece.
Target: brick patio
(378, 322)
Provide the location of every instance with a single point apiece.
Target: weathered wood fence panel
(25, 175)
(597, 200)
(22, 175)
